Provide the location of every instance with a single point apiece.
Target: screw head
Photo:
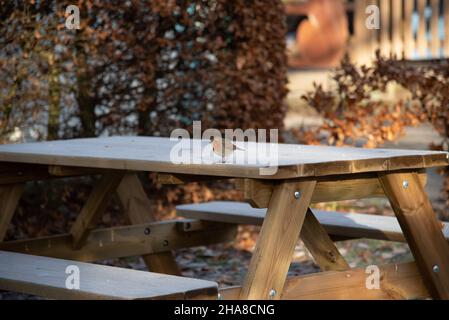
(405, 184)
(297, 194)
(436, 268)
(272, 294)
(147, 231)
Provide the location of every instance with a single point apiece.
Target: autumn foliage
(135, 67)
(354, 116)
(142, 67)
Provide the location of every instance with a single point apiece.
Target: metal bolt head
(297, 194)
(272, 294)
(405, 184)
(436, 268)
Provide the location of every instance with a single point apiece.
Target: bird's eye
(211, 139)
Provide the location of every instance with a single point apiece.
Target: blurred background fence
(413, 29)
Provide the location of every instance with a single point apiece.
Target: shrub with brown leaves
(352, 116)
(138, 67)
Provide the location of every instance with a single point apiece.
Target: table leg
(94, 207)
(321, 246)
(277, 240)
(421, 229)
(137, 208)
(9, 198)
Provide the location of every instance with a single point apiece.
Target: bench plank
(47, 277)
(352, 225)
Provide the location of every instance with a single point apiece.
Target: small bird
(223, 147)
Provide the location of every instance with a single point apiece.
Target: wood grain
(321, 246)
(94, 207)
(328, 189)
(153, 154)
(277, 240)
(137, 207)
(46, 277)
(256, 192)
(397, 282)
(336, 224)
(127, 241)
(64, 171)
(9, 198)
(421, 229)
(168, 178)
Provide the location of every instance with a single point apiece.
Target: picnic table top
(156, 155)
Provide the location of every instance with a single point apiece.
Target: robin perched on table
(223, 147)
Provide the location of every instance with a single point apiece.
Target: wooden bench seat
(337, 224)
(47, 277)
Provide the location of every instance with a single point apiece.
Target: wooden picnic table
(304, 174)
